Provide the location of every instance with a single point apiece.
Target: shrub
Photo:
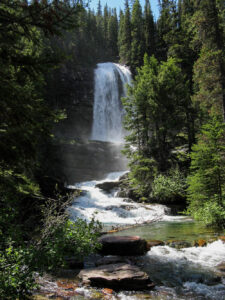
(168, 188)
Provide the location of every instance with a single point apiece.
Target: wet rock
(123, 245)
(108, 185)
(107, 260)
(107, 291)
(73, 263)
(154, 243)
(124, 177)
(222, 238)
(126, 192)
(116, 276)
(125, 207)
(200, 243)
(178, 244)
(221, 267)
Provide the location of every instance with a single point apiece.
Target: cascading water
(110, 209)
(110, 86)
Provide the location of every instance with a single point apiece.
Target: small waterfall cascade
(110, 86)
(110, 209)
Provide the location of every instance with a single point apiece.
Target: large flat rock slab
(119, 276)
(123, 245)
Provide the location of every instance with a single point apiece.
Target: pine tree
(124, 40)
(179, 41)
(209, 70)
(206, 191)
(137, 34)
(149, 29)
(158, 94)
(166, 27)
(113, 35)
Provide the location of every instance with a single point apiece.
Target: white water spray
(110, 86)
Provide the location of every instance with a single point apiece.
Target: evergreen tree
(209, 69)
(137, 35)
(113, 36)
(124, 40)
(166, 27)
(158, 94)
(149, 29)
(180, 47)
(206, 191)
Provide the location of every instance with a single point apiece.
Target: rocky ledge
(120, 276)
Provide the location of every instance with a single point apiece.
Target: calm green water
(180, 229)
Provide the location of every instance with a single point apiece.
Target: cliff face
(72, 90)
(85, 161)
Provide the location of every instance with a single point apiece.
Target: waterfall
(110, 86)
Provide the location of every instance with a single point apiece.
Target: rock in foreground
(123, 245)
(119, 276)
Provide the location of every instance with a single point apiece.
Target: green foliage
(137, 34)
(158, 93)
(206, 190)
(149, 30)
(141, 175)
(17, 276)
(74, 239)
(20, 264)
(124, 38)
(169, 188)
(27, 242)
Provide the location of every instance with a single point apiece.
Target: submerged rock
(123, 245)
(119, 276)
(154, 243)
(178, 244)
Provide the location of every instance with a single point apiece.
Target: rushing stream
(110, 209)
(183, 273)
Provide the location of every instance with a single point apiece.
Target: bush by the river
(169, 188)
(19, 264)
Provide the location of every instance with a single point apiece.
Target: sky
(120, 4)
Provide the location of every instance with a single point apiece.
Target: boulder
(108, 185)
(119, 276)
(123, 245)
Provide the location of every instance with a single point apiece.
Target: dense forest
(175, 113)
